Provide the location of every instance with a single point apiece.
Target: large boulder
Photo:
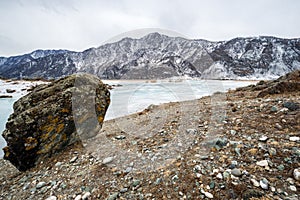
(47, 120)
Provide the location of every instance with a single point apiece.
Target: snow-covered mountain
(159, 56)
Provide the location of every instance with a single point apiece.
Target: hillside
(157, 56)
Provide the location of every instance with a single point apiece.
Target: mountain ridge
(157, 56)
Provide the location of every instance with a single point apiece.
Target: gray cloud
(27, 25)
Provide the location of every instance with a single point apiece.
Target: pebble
(272, 152)
(277, 125)
(78, 197)
(58, 164)
(232, 132)
(262, 163)
(280, 167)
(264, 184)
(40, 185)
(123, 190)
(209, 195)
(26, 186)
(291, 106)
(293, 188)
(219, 176)
(236, 172)
(120, 137)
(204, 157)
(273, 189)
(255, 182)
(197, 168)
(290, 181)
(212, 185)
(296, 174)
(136, 183)
(73, 159)
(226, 175)
(86, 195)
(191, 131)
(107, 160)
(52, 198)
(263, 138)
(274, 109)
(294, 139)
(114, 196)
(252, 151)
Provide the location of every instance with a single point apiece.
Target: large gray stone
(54, 116)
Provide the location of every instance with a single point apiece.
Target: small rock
(274, 109)
(232, 132)
(290, 181)
(136, 183)
(264, 184)
(294, 139)
(73, 159)
(26, 186)
(291, 106)
(204, 157)
(212, 185)
(10, 91)
(78, 197)
(86, 195)
(209, 195)
(123, 190)
(219, 176)
(158, 181)
(263, 138)
(58, 164)
(114, 196)
(191, 131)
(128, 169)
(237, 151)
(197, 168)
(52, 198)
(293, 188)
(273, 189)
(279, 191)
(252, 151)
(278, 126)
(120, 137)
(107, 160)
(63, 186)
(262, 163)
(40, 185)
(236, 172)
(249, 194)
(280, 167)
(255, 182)
(272, 152)
(226, 175)
(296, 174)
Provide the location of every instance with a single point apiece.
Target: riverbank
(230, 145)
(17, 88)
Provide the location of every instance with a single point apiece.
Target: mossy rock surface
(53, 116)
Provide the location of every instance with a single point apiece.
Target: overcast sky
(26, 25)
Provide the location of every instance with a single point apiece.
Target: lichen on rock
(45, 121)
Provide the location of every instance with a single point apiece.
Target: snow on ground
(17, 88)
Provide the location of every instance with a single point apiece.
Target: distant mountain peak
(157, 55)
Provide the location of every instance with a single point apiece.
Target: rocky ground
(244, 144)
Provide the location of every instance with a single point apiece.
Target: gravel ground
(241, 147)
